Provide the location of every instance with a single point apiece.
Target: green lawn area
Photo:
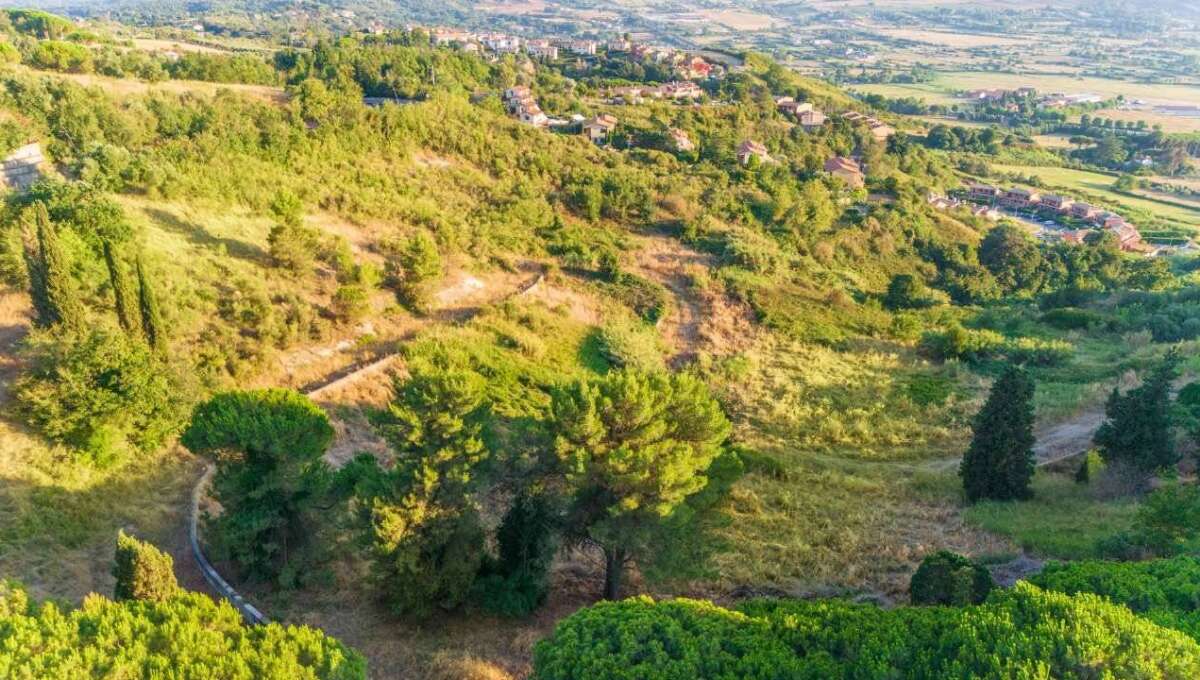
(1062, 520)
(929, 92)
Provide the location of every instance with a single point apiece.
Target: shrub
(948, 578)
(906, 292)
(98, 391)
(351, 303)
(517, 581)
(410, 269)
(142, 571)
(293, 246)
(631, 344)
(1022, 632)
(190, 634)
(1164, 591)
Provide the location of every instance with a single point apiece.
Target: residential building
(619, 45)
(599, 128)
(1056, 203)
(586, 47)
(694, 67)
(847, 170)
(982, 192)
(811, 119)
(1082, 211)
(752, 149)
(1075, 237)
(680, 90)
(541, 48)
(881, 131)
(1128, 237)
(1018, 198)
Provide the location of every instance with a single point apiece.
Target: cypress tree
(1000, 462)
(126, 305)
(1138, 426)
(54, 298)
(152, 325)
(142, 571)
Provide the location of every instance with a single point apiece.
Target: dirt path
(701, 319)
(1068, 438)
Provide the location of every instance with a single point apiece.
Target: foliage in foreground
(188, 637)
(1164, 591)
(1023, 632)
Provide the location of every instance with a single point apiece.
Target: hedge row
(1024, 632)
(186, 637)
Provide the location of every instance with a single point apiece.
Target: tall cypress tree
(54, 297)
(152, 324)
(1000, 462)
(127, 306)
(1138, 425)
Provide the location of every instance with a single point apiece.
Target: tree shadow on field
(198, 235)
(58, 540)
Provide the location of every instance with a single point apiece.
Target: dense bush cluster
(188, 634)
(1164, 591)
(969, 344)
(1023, 632)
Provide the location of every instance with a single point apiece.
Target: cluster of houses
(1019, 199)
(638, 94)
(1050, 101)
(687, 66)
(804, 112)
(880, 130)
(519, 102)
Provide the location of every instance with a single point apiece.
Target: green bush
(1024, 632)
(1164, 591)
(969, 344)
(98, 391)
(142, 571)
(947, 578)
(631, 344)
(187, 636)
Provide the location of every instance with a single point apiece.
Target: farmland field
(941, 90)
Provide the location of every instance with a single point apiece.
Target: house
(586, 47)
(599, 128)
(680, 90)
(680, 140)
(1110, 220)
(752, 149)
(531, 114)
(501, 43)
(1128, 237)
(619, 45)
(542, 49)
(1056, 203)
(1018, 198)
(847, 170)
(23, 167)
(791, 106)
(811, 118)
(982, 192)
(1082, 211)
(694, 67)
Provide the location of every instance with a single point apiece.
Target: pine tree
(1138, 428)
(127, 312)
(142, 571)
(152, 324)
(1000, 462)
(54, 298)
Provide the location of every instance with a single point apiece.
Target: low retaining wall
(247, 610)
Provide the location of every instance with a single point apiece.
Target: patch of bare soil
(701, 320)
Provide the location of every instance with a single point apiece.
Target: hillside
(437, 313)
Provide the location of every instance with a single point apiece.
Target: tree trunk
(614, 568)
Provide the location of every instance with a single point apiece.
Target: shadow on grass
(196, 234)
